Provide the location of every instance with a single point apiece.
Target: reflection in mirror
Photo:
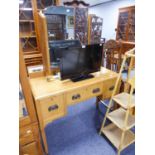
(60, 22)
(22, 105)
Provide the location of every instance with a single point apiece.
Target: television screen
(76, 62)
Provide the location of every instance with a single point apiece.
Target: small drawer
(26, 135)
(75, 96)
(95, 90)
(52, 108)
(30, 149)
(108, 88)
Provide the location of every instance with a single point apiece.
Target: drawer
(108, 87)
(30, 149)
(95, 90)
(52, 108)
(76, 96)
(26, 135)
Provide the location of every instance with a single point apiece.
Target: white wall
(109, 12)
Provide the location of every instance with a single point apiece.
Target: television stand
(80, 78)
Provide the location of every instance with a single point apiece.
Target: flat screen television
(77, 63)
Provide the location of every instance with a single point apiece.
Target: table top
(42, 88)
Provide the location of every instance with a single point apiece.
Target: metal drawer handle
(53, 107)
(111, 88)
(96, 90)
(74, 97)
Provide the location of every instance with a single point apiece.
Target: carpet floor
(77, 133)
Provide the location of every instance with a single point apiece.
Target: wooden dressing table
(52, 98)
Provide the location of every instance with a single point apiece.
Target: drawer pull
(28, 131)
(96, 90)
(53, 107)
(111, 88)
(74, 97)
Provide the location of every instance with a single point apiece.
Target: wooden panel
(44, 42)
(26, 87)
(30, 149)
(26, 135)
(95, 90)
(76, 96)
(52, 108)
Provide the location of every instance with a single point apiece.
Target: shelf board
(123, 100)
(32, 56)
(34, 63)
(26, 21)
(27, 35)
(118, 118)
(31, 52)
(25, 9)
(113, 133)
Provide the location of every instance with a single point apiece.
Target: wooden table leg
(44, 140)
(98, 98)
(97, 102)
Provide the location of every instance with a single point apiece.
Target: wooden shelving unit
(29, 29)
(28, 33)
(122, 121)
(126, 24)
